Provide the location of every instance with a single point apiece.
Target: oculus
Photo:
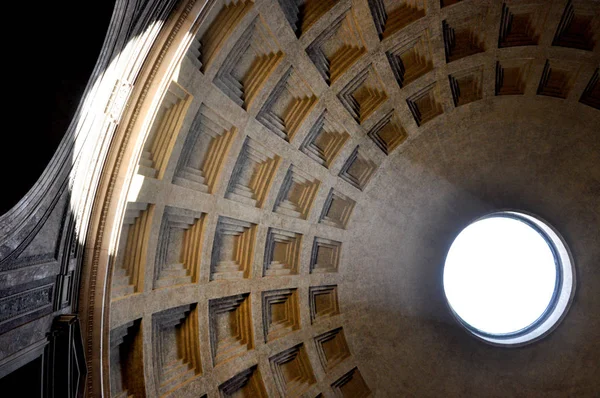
(509, 278)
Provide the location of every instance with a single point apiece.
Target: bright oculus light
(508, 278)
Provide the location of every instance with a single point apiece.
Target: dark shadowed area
(51, 62)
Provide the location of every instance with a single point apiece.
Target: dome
(257, 199)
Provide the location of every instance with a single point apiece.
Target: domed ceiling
(290, 200)
(302, 180)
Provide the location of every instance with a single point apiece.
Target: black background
(52, 49)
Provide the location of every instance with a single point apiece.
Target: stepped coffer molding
(205, 150)
(576, 26)
(191, 257)
(521, 23)
(446, 3)
(249, 64)
(557, 78)
(325, 255)
(129, 267)
(297, 194)
(388, 133)
(281, 314)
(179, 249)
(282, 253)
(230, 327)
(410, 59)
(358, 169)
(337, 210)
(302, 14)
(233, 249)
(363, 95)
(351, 384)
(175, 346)
(591, 94)
(511, 76)
(248, 383)
(253, 174)
(165, 128)
(292, 371)
(392, 16)
(337, 48)
(288, 105)
(224, 21)
(324, 140)
(332, 348)
(425, 105)
(464, 36)
(467, 85)
(323, 301)
(126, 361)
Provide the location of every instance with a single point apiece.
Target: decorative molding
(282, 253)
(95, 357)
(248, 383)
(467, 85)
(325, 255)
(36, 351)
(52, 229)
(302, 14)
(230, 327)
(411, 59)
(26, 305)
(65, 359)
(297, 194)
(351, 384)
(205, 151)
(323, 302)
(332, 348)
(281, 314)
(337, 210)
(358, 169)
(388, 133)
(292, 371)
(288, 105)
(591, 94)
(324, 140)
(337, 48)
(175, 346)
(252, 174)
(108, 195)
(118, 100)
(391, 17)
(249, 64)
(363, 94)
(233, 249)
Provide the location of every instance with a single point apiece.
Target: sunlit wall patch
(509, 278)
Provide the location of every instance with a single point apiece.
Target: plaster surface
(541, 161)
